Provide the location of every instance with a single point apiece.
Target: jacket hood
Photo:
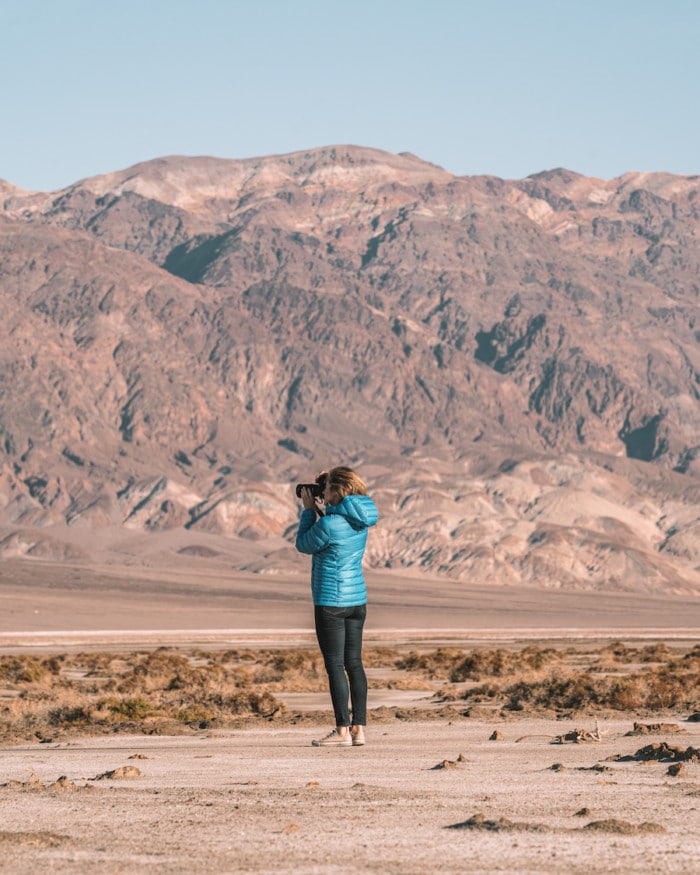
(359, 510)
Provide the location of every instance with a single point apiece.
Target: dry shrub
(569, 694)
(68, 716)
(655, 653)
(483, 693)
(437, 664)
(649, 690)
(500, 663)
(128, 709)
(194, 714)
(380, 657)
(654, 681)
(615, 655)
(142, 690)
(456, 666)
(664, 752)
(298, 670)
(170, 690)
(258, 704)
(27, 669)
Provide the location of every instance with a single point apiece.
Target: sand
(422, 796)
(266, 801)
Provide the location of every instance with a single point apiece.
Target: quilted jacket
(336, 543)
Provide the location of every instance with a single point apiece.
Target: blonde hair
(345, 481)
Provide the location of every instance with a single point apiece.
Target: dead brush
(173, 691)
(436, 665)
(291, 670)
(501, 663)
(605, 680)
(614, 656)
(380, 657)
(28, 669)
(108, 692)
(650, 690)
(458, 666)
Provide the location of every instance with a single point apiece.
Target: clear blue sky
(506, 87)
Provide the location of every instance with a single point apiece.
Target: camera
(316, 489)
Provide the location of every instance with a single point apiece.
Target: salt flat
(264, 800)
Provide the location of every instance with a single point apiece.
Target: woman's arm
(313, 534)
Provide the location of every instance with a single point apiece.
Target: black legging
(339, 634)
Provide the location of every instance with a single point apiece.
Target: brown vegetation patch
(578, 736)
(456, 666)
(480, 822)
(129, 772)
(153, 692)
(36, 838)
(663, 752)
(445, 764)
(451, 764)
(34, 783)
(654, 728)
(671, 685)
(611, 825)
(172, 691)
(622, 827)
(560, 682)
(618, 653)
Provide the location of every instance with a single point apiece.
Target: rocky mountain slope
(513, 365)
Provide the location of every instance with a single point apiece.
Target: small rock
(446, 764)
(676, 770)
(116, 774)
(496, 735)
(292, 827)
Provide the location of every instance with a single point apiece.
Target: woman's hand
(308, 500)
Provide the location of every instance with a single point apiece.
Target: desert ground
(454, 778)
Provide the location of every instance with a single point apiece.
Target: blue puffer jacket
(336, 542)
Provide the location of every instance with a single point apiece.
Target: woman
(336, 541)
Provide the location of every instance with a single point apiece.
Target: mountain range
(512, 365)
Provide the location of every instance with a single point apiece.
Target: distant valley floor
(42, 602)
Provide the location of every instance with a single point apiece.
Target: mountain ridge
(214, 329)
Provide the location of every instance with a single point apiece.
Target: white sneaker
(357, 733)
(333, 739)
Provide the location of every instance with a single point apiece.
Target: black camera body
(316, 489)
(313, 488)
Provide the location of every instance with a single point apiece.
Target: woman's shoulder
(358, 509)
(331, 521)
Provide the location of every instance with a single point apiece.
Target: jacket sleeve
(313, 534)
